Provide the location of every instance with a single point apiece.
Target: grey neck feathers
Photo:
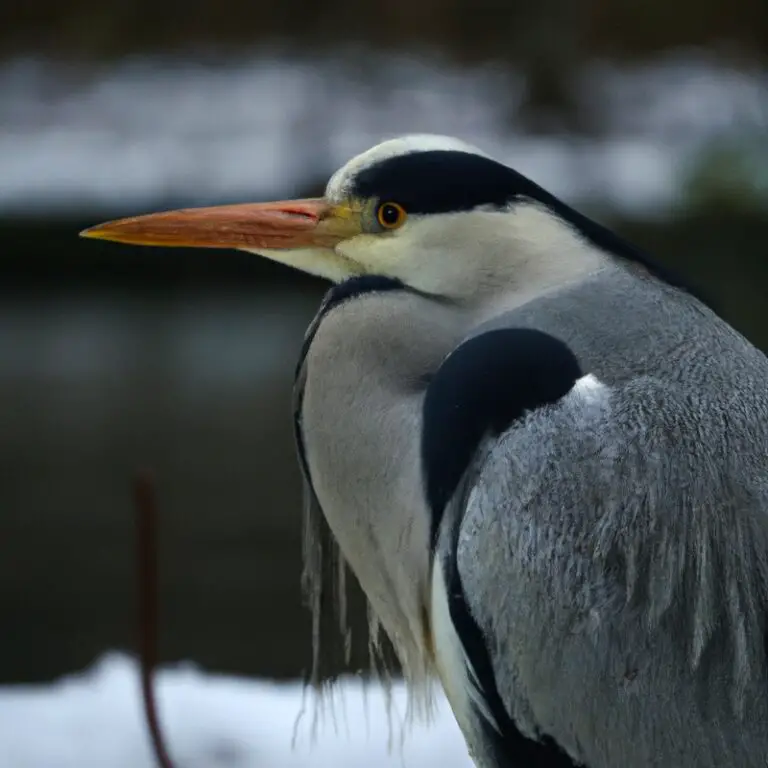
(365, 374)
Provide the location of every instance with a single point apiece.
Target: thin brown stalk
(146, 543)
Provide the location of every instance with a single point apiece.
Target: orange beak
(300, 233)
(311, 223)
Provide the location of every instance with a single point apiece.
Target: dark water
(95, 387)
(116, 359)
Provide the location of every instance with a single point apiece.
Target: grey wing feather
(615, 555)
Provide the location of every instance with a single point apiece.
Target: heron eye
(391, 215)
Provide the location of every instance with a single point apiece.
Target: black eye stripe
(437, 181)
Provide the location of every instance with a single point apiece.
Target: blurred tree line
(550, 40)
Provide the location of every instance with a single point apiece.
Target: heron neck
(366, 372)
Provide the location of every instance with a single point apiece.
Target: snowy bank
(95, 720)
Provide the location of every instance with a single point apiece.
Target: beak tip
(92, 233)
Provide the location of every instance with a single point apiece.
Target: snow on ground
(147, 130)
(94, 720)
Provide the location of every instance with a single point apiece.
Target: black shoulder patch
(443, 181)
(481, 388)
(508, 747)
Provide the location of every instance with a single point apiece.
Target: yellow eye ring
(391, 215)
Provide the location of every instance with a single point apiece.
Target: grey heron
(544, 458)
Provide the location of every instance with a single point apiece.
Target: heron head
(431, 211)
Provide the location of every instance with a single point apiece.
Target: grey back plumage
(615, 552)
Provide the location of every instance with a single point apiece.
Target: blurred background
(652, 117)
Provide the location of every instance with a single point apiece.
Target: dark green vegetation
(518, 28)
